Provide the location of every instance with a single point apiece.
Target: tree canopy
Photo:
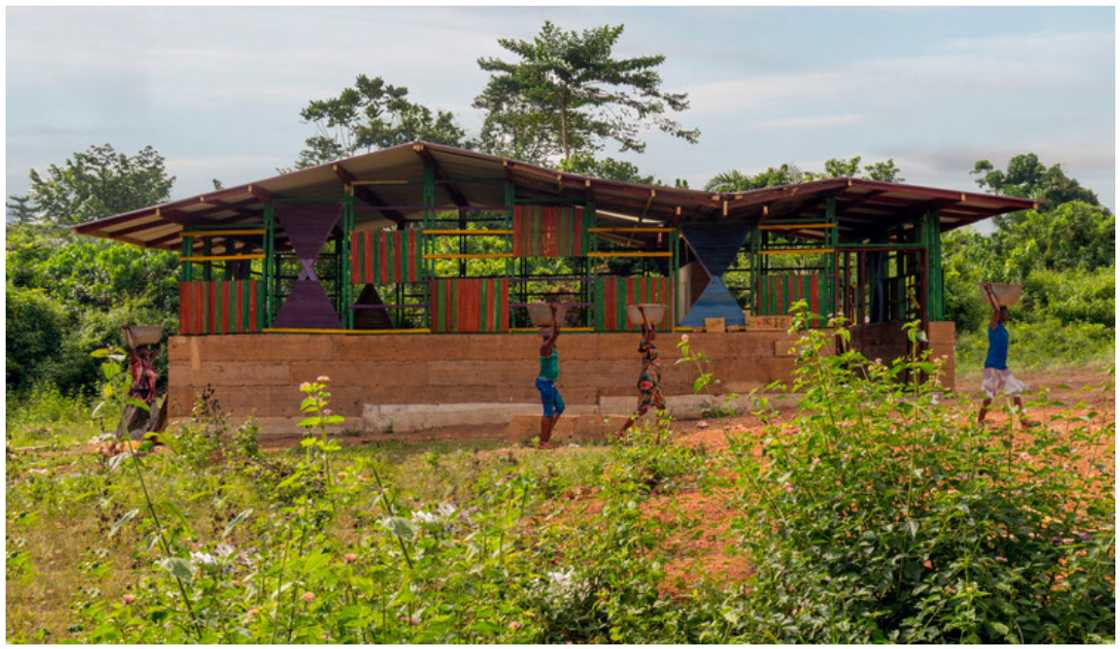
(606, 168)
(567, 93)
(95, 183)
(369, 115)
(1027, 177)
(787, 174)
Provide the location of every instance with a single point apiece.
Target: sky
(218, 90)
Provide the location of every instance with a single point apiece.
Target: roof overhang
(387, 188)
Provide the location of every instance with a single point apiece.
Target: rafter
(366, 194)
(452, 191)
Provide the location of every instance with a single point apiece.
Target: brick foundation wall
(257, 374)
(887, 340)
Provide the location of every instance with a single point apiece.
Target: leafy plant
(879, 516)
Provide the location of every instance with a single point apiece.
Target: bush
(1042, 344)
(1071, 296)
(879, 517)
(37, 340)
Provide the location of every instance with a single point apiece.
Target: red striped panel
(609, 300)
(184, 305)
(252, 305)
(504, 297)
(383, 257)
(225, 311)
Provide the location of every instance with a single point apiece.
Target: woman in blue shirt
(997, 378)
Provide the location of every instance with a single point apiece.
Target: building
(404, 275)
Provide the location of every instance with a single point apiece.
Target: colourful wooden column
(268, 267)
(831, 259)
(187, 271)
(935, 284)
(348, 221)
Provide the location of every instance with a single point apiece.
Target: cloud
(809, 122)
(968, 68)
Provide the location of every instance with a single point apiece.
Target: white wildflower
(224, 550)
(563, 585)
(424, 517)
(446, 510)
(203, 559)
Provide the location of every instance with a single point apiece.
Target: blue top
(998, 340)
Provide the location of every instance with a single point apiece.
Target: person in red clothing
(649, 380)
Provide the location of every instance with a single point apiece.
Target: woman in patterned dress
(649, 380)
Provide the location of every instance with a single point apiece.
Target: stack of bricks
(260, 374)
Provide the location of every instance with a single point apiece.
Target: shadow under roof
(388, 191)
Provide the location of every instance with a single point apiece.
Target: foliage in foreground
(880, 517)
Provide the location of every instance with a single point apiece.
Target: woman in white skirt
(997, 378)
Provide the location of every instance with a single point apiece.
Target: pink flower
(128, 598)
(322, 379)
(789, 488)
(1001, 559)
(515, 625)
(304, 387)
(350, 557)
(309, 597)
(684, 338)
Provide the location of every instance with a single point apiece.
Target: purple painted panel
(307, 227)
(307, 306)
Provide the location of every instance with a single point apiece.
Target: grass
(46, 416)
(1042, 345)
(602, 528)
(61, 509)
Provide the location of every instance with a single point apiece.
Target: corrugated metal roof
(388, 188)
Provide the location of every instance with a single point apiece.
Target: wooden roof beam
(367, 196)
(452, 191)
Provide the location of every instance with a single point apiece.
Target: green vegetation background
(67, 294)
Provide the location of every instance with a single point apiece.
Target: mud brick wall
(259, 373)
(887, 340)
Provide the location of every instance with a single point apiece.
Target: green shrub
(1041, 344)
(879, 517)
(1071, 296)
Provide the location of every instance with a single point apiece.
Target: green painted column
(348, 222)
(187, 270)
(207, 268)
(931, 240)
(674, 277)
(427, 244)
(267, 265)
(510, 196)
(830, 304)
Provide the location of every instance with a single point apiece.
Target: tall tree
(606, 168)
(1027, 177)
(370, 115)
(99, 182)
(566, 93)
(21, 210)
(787, 174)
(885, 171)
(737, 181)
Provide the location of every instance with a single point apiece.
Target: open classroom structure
(404, 274)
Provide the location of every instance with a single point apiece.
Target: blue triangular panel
(715, 302)
(715, 244)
